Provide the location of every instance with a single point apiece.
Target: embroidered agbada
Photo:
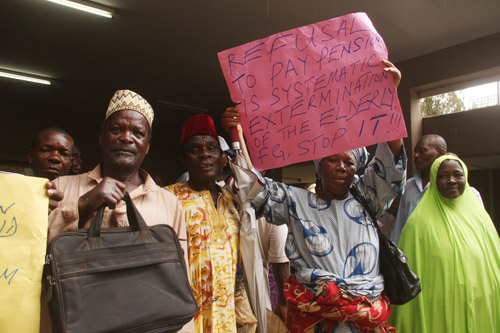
(329, 304)
(213, 255)
(336, 240)
(452, 245)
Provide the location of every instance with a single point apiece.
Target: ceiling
(167, 51)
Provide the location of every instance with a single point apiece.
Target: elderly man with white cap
(124, 140)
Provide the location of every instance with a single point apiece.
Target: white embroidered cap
(129, 100)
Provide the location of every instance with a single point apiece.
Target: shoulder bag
(401, 284)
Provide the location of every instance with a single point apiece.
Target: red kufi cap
(200, 124)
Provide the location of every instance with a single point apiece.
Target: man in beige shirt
(124, 141)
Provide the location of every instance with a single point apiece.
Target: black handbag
(129, 279)
(401, 284)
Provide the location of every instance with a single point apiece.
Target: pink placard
(313, 91)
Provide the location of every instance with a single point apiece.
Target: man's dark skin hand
(108, 192)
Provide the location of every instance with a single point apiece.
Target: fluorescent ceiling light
(23, 77)
(86, 7)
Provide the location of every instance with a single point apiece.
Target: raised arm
(395, 145)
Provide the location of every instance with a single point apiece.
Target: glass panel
(460, 100)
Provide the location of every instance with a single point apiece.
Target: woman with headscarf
(332, 242)
(452, 245)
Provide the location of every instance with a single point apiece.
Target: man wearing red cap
(212, 223)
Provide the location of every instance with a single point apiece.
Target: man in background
(428, 148)
(76, 166)
(51, 152)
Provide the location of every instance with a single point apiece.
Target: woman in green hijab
(453, 246)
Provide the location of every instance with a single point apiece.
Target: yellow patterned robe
(213, 255)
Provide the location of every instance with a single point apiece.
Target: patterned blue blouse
(336, 240)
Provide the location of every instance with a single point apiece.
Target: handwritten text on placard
(8, 228)
(23, 239)
(8, 224)
(313, 91)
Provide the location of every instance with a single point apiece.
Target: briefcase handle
(135, 219)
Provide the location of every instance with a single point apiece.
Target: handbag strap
(355, 193)
(135, 219)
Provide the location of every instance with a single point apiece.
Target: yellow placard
(23, 240)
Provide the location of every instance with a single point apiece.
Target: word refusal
(313, 91)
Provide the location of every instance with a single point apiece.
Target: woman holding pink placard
(332, 245)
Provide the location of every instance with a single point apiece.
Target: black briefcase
(130, 279)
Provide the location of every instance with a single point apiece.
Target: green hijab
(449, 209)
(454, 248)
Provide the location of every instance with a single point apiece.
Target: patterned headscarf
(361, 156)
